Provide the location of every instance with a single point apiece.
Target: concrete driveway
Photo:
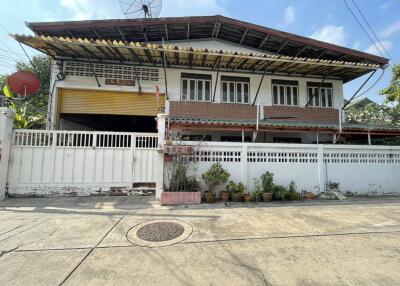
(83, 241)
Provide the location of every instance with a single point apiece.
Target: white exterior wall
(6, 125)
(174, 81)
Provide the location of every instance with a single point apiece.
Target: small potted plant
(237, 194)
(247, 197)
(214, 176)
(257, 194)
(230, 187)
(267, 182)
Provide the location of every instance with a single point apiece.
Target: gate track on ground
(90, 251)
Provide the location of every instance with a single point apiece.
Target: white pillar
(160, 155)
(6, 127)
(369, 137)
(321, 173)
(245, 173)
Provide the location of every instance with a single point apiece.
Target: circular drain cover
(158, 233)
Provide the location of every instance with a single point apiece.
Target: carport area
(85, 241)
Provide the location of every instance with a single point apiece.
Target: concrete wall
(6, 125)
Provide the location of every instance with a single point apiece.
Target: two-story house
(216, 79)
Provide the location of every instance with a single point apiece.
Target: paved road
(82, 241)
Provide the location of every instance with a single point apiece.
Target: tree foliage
(392, 92)
(32, 110)
(374, 114)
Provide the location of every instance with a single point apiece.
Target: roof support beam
(164, 60)
(261, 81)
(203, 60)
(135, 56)
(301, 51)
(240, 64)
(279, 67)
(263, 41)
(95, 32)
(90, 52)
(94, 74)
(145, 33)
(121, 34)
(166, 31)
(188, 31)
(61, 51)
(281, 47)
(122, 59)
(215, 32)
(191, 60)
(321, 54)
(218, 61)
(284, 66)
(358, 90)
(316, 90)
(244, 35)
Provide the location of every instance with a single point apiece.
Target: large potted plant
(267, 183)
(257, 194)
(238, 191)
(214, 176)
(230, 187)
(182, 186)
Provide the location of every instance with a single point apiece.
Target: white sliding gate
(80, 162)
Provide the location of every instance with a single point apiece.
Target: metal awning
(187, 57)
(194, 28)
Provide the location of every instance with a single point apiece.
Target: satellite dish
(134, 9)
(23, 83)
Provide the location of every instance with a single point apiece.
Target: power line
(372, 31)
(362, 27)
(11, 52)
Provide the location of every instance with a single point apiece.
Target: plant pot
(257, 199)
(247, 198)
(224, 196)
(237, 197)
(267, 197)
(309, 196)
(210, 197)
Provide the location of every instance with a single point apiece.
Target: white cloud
(84, 9)
(175, 8)
(290, 15)
(356, 45)
(331, 34)
(373, 50)
(385, 6)
(391, 29)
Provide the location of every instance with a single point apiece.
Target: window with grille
(285, 92)
(195, 87)
(320, 95)
(235, 89)
(111, 71)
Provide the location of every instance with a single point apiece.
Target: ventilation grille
(111, 71)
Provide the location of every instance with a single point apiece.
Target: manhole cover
(160, 231)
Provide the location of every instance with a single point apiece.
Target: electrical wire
(362, 27)
(372, 31)
(361, 94)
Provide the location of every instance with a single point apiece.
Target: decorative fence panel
(80, 162)
(358, 169)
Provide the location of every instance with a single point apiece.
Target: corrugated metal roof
(153, 54)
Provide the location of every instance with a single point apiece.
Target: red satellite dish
(23, 83)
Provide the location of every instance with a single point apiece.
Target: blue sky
(327, 20)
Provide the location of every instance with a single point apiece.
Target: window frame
(325, 88)
(196, 90)
(285, 87)
(235, 97)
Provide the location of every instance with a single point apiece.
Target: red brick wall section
(210, 110)
(303, 114)
(194, 109)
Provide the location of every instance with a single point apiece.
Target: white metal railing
(92, 139)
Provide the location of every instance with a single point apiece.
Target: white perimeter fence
(81, 162)
(358, 169)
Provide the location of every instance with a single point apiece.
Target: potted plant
(257, 194)
(214, 176)
(291, 193)
(237, 194)
(247, 197)
(279, 192)
(230, 187)
(267, 183)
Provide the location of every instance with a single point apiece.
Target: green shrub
(267, 182)
(257, 188)
(215, 176)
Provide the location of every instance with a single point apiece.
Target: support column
(6, 127)
(244, 164)
(369, 138)
(160, 155)
(321, 173)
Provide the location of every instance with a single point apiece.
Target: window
(320, 96)
(235, 89)
(195, 87)
(286, 140)
(285, 92)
